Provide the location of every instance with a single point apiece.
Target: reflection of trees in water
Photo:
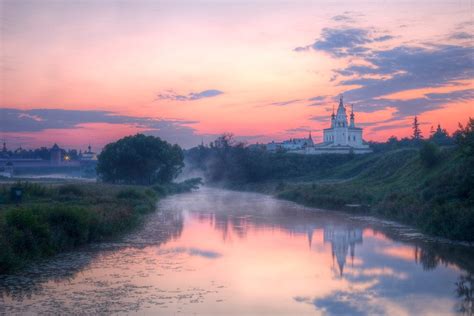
(238, 222)
(160, 228)
(239, 225)
(465, 293)
(430, 254)
(427, 258)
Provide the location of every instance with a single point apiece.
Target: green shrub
(32, 190)
(69, 226)
(160, 189)
(429, 154)
(130, 194)
(70, 189)
(142, 208)
(27, 232)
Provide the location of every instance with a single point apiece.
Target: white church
(342, 137)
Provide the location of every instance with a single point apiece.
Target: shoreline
(53, 218)
(270, 189)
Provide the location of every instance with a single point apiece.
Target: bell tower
(341, 116)
(352, 124)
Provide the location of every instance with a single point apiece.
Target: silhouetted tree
(140, 159)
(464, 138)
(416, 129)
(441, 136)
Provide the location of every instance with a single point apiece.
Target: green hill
(410, 180)
(399, 185)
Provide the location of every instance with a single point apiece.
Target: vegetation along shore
(425, 183)
(50, 218)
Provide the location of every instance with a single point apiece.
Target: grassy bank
(55, 218)
(396, 184)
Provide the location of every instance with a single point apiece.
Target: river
(218, 252)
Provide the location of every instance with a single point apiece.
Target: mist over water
(218, 252)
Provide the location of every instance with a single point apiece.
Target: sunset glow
(263, 70)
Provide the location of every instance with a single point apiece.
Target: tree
(464, 138)
(416, 129)
(429, 154)
(441, 136)
(140, 159)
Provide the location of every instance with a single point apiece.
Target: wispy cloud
(319, 100)
(344, 41)
(301, 129)
(192, 96)
(462, 36)
(38, 120)
(342, 18)
(376, 72)
(284, 103)
(390, 126)
(404, 68)
(15, 120)
(320, 118)
(416, 106)
(208, 254)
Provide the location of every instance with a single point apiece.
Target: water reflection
(220, 252)
(465, 293)
(64, 268)
(342, 240)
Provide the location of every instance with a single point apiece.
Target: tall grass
(51, 219)
(401, 186)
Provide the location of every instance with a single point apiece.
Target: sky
(89, 72)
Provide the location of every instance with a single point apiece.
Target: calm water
(217, 252)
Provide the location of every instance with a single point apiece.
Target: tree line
(226, 159)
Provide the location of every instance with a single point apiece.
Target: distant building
(56, 155)
(4, 153)
(88, 155)
(291, 145)
(342, 137)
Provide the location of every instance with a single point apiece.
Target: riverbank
(396, 185)
(52, 218)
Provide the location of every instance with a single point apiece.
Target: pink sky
(393, 61)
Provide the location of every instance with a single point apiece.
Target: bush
(70, 189)
(26, 232)
(429, 154)
(41, 227)
(180, 187)
(143, 209)
(130, 194)
(69, 226)
(160, 189)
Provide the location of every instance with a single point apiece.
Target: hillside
(398, 185)
(425, 183)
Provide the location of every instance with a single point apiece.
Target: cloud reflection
(209, 254)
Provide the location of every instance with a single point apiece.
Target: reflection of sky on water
(383, 269)
(209, 254)
(219, 252)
